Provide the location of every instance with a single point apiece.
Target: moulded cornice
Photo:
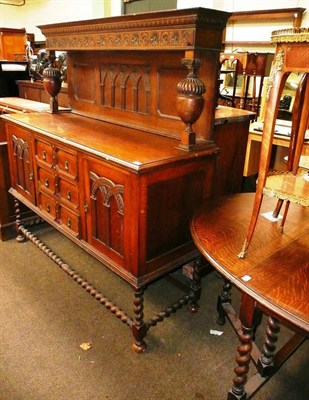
(178, 30)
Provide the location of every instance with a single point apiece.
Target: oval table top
(276, 267)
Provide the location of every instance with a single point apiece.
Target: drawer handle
(48, 207)
(44, 155)
(69, 223)
(46, 183)
(31, 176)
(66, 165)
(69, 195)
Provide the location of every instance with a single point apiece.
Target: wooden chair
(249, 66)
(292, 55)
(235, 64)
(257, 66)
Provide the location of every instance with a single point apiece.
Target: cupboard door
(20, 156)
(105, 189)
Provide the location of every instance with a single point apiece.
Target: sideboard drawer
(46, 181)
(48, 205)
(44, 153)
(57, 184)
(68, 193)
(66, 164)
(69, 220)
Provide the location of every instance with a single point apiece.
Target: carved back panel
(137, 90)
(134, 90)
(126, 69)
(125, 87)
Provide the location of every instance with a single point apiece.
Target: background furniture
(292, 17)
(273, 278)
(231, 136)
(35, 91)
(12, 44)
(12, 105)
(9, 73)
(281, 144)
(233, 66)
(243, 76)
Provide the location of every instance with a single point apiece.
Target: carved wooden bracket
(190, 101)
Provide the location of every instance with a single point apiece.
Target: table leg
(225, 297)
(195, 285)
(265, 364)
(20, 237)
(247, 318)
(139, 328)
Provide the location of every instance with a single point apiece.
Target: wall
(149, 5)
(40, 12)
(244, 31)
(241, 5)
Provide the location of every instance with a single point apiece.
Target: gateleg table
(273, 279)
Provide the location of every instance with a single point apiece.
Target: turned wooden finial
(190, 101)
(52, 83)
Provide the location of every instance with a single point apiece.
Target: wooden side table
(281, 144)
(12, 105)
(273, 278)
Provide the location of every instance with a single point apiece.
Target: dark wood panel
(171, 205)
(232, 142)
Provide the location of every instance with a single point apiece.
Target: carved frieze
(146, 40)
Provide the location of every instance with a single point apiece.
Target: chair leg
(276, 84)
(277, 210)
(287, 205)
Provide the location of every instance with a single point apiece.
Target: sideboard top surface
(187, 29)
(125, 146)
(23, 105)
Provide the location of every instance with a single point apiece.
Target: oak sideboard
(122, 173)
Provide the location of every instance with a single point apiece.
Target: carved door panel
(20, 156)
(107, 216)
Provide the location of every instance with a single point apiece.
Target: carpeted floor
(45, 317)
